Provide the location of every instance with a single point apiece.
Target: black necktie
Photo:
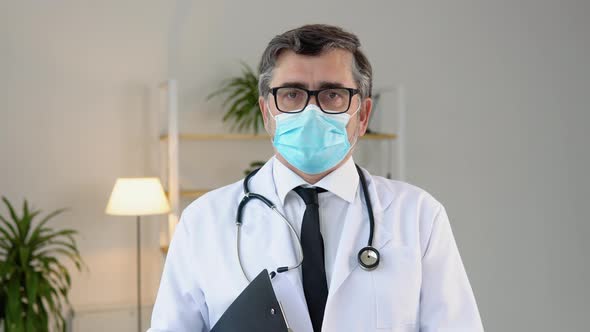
(315, 285)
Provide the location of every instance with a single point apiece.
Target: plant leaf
(31, 276)
(241, 100)
(10, 227)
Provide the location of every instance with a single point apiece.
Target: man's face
(333, 67)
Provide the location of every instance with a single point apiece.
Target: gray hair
(313, 40)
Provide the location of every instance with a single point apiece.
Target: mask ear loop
(274, 119)
(353, 145)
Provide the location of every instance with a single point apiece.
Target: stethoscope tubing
(368, 204)
(248, 196)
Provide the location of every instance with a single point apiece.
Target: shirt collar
(342, 182)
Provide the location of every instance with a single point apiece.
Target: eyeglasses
(331, 100)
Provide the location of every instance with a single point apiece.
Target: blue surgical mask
(311, 140)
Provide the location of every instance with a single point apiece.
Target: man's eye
(292, 95)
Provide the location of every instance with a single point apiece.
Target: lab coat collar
(352, 239)
(354, 236)
(342, 182)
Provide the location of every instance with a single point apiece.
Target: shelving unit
(170, 138)
(241, 137)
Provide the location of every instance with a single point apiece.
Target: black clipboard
(256, 309)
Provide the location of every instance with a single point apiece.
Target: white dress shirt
(342, 187)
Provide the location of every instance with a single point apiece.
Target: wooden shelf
(379, 136)
(217, 137)
(253, 137)
(193, 193)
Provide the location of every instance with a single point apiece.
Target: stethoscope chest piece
(368, 258)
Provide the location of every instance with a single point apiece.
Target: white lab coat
(420, 284)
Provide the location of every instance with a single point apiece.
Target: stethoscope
(368, 257)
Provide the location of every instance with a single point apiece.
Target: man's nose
(311, 100)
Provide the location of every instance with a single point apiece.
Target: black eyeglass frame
(351, 92)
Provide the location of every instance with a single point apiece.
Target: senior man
(315, 98)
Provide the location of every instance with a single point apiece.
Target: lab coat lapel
(287, 285)
(355, 235)
(285, 252)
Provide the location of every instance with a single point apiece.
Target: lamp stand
(138, 276)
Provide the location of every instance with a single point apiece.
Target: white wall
(497, 108)
(76, 84)
(498, 122)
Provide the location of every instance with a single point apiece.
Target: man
(315, 98)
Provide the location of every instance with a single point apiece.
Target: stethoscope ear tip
(368, 258)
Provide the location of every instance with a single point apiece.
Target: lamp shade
(137, 197)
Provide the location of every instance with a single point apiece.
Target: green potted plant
(34, 284)
(241, 100)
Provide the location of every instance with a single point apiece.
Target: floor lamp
(137, 197)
